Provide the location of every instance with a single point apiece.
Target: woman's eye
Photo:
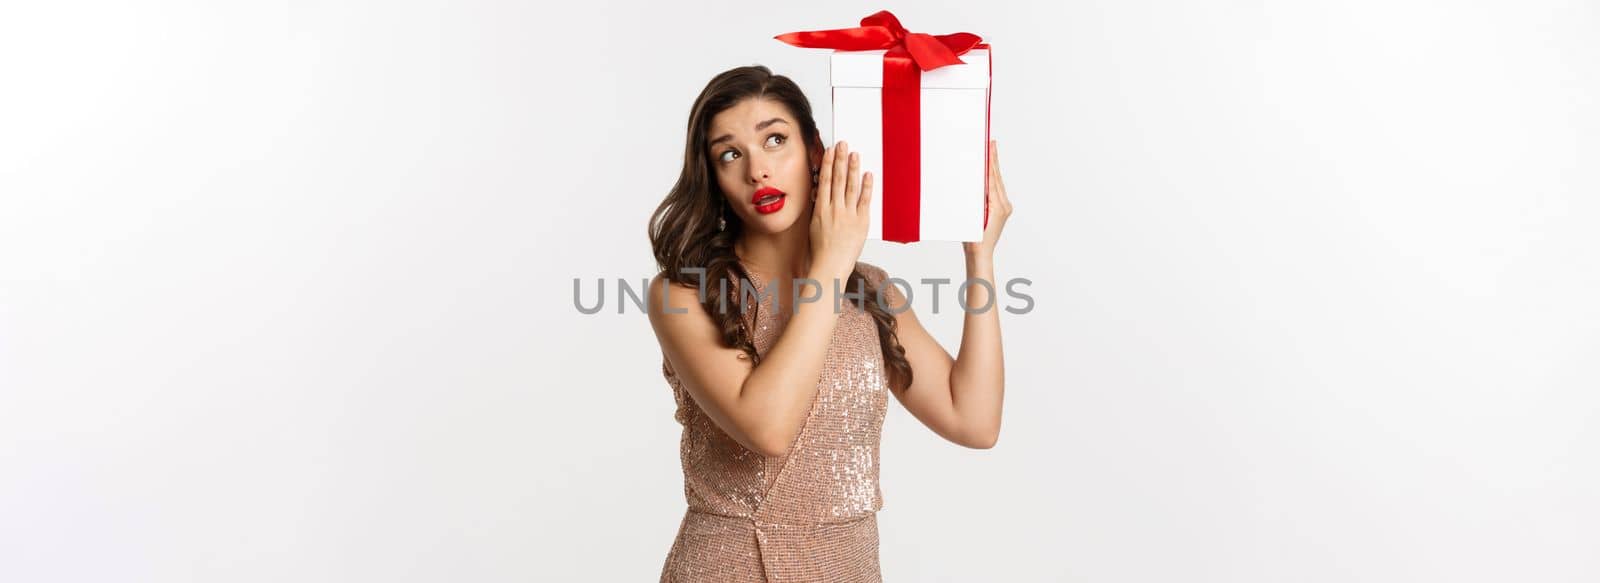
(773, 140)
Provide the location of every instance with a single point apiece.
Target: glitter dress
(807, 516)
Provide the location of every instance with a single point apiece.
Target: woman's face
(757, 152)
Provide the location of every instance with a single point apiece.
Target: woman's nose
(759, 171)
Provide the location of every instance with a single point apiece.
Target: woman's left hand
(999, 208)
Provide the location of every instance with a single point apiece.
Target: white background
(286, 291)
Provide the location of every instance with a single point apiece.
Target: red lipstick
(768, 200)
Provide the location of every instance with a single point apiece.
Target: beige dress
(807, 516)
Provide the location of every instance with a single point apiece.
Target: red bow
(882, 30)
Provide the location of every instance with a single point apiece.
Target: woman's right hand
(840, 213)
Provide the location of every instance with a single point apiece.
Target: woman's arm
(761, 407)
(960, 398)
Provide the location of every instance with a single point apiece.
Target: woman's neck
(786, 254)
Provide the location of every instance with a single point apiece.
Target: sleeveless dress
(812, 514)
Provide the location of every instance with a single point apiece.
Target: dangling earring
(814, 174)
(722, 221)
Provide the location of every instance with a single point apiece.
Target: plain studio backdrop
(286, 291)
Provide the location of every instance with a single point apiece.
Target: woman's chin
(772, 223)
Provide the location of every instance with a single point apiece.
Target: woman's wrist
(827, 272)
(978, 255)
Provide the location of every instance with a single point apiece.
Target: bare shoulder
(674, 303)
(682, 324)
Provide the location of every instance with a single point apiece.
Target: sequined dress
(807, 516)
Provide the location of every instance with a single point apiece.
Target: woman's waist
(784, 503)
(785, 521)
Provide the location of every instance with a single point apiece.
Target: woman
(782, 401)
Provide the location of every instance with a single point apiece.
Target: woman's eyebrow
(759, 127)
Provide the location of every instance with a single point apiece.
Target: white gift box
(948, 191)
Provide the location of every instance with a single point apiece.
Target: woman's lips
(772, 197)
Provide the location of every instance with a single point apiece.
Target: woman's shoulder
(665, 296)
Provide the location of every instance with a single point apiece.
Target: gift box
(916, 106)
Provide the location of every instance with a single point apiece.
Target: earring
(815, 172)
(722, 221)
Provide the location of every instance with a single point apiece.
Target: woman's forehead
(747, 115)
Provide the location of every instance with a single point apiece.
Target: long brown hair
(683, 229)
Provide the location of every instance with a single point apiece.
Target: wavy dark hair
(683, 229)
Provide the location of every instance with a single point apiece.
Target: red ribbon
(908, 55)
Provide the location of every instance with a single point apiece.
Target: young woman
(781, 401)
